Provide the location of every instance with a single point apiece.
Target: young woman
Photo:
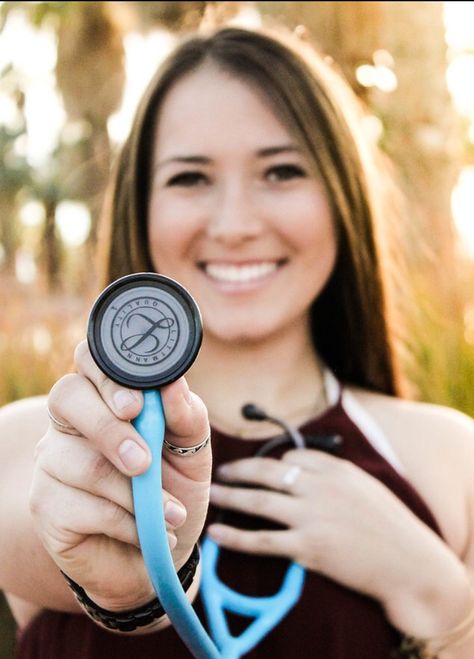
(243, 180)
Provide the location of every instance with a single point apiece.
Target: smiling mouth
(242, 273)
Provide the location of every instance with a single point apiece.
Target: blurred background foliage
(70, 74)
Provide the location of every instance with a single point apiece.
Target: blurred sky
(33, 54)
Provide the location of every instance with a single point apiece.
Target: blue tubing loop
(266, 611)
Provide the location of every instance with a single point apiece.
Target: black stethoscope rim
(189, 307)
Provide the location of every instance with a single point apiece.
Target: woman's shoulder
(435, 445)
(433, 426)
(23, 420)
(34, 405)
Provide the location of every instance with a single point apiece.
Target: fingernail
(174, 513)
(216, 532)
(214, 491)
(172, 540)
(123, 399)
(132, 455)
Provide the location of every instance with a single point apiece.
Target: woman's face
(235, 215)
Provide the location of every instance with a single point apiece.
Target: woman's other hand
(343, 523)
(81, 497)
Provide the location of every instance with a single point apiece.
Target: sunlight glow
(459, 21)
(32, 53)
(462, 204)
(377, 76)
(32, 213)
(143, 54)
(25, 266)
(73, 221)
(459, 35)
(459, 76)
(41, 339)
(247, 16)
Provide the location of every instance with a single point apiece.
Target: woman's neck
(282, 375)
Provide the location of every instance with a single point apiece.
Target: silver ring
(62, 427)
(185, 452)
(291, 476)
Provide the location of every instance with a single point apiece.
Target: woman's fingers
(274, 506)
(186, 420)
(187, 425)
(317, 462)
(85, 401)
(123, 402)
(74, 462)
(71, 514)
(74, 400)
(266, 472)
(270, 543)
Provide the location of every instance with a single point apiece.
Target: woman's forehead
(209, 105)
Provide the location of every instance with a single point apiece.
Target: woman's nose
(234, 217)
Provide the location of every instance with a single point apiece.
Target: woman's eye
(285, 172)
(187, 179)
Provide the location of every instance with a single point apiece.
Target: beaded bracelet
(127, 621)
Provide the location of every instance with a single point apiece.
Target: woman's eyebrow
(276, 150)
(205, 160)
(193, 160)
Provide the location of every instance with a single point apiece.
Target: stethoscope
(145, 331)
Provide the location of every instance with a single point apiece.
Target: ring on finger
(185, 452)
(62, 427)
(290, 477)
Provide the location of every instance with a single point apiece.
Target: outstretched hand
(81, 496)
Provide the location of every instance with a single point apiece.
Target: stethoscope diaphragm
(144, 330)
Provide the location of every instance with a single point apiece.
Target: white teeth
(240, 273)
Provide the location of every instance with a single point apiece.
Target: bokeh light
(73, 221)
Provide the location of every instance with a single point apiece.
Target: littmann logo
(144, 331)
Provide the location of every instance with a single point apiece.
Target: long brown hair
(349, 318)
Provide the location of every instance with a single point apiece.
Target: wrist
(146, 617)
(131, 600)
(454, 636)
(427, 607)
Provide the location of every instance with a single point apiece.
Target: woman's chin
(247, 334)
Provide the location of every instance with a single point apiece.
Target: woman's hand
(81, 497)
(346, 525)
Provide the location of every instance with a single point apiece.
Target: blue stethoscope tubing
(266, 611)
(217, 597)
(151, 526)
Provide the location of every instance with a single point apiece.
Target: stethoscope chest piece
(144, 330)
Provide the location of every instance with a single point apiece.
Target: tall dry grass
(38, 333)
